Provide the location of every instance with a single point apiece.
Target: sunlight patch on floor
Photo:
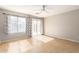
(44, 39)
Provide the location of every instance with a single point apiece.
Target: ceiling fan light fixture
(43, 10)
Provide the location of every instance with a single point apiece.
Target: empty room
(39, 28)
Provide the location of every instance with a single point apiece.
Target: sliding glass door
(36, 27)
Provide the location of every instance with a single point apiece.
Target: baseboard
(13, 40)
(61, 37)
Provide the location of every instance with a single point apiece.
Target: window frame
(17, 24)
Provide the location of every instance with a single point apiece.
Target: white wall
(65, 25)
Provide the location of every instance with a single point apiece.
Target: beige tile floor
(38, 44)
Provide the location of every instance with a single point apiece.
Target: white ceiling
(31, 9)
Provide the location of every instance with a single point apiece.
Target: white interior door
(36, 27)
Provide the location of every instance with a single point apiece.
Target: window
(21, 24)
(16, 24)
(12, 24)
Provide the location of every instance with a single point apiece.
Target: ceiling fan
(44, 9)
